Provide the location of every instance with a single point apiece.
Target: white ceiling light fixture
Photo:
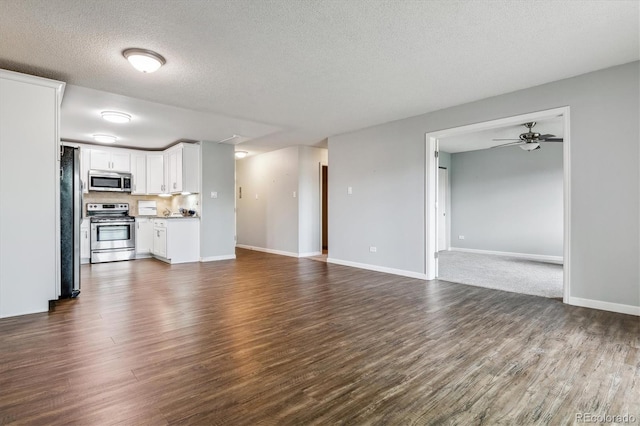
(115, 116)
(105, 138)
(144, 60)
(531, 146)
(241, 154)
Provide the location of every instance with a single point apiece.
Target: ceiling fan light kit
(529, 140)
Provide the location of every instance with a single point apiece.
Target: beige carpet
(501, 273)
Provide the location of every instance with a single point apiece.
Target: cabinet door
(85, 240)
(144, 236)
(120, 162)
(155, 173)
(139, 173)
(100, 160)
(175, 171)
(160, 242)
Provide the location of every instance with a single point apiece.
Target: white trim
(566, 175)
(540, 257)
(431, 140)
(377, 268)
(266, 250)
(605, 306)
(216, 258)
(311, 253)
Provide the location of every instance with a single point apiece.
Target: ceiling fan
(529, 140)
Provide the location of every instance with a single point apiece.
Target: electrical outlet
(214, 194)
(373, 249)
(461, 237)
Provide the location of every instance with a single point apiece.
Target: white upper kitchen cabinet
(183, 168)
(155, 173)
(29, 150)
(139, 173)
(116, 160)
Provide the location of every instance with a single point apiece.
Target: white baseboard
(540, 257)
(266, 250)
(605, 306)
(216, 258)
(377, 268)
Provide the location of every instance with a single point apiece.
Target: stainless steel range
(113, 235)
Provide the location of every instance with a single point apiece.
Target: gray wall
(385, 165)
(271, 220)
(508, 200)
(217, 225)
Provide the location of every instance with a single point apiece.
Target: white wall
(217, 224)
(267, 212)
(385, 165)
(508, 200)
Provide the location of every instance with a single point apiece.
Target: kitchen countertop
(172, 217)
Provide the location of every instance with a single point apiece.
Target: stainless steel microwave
(101, 180)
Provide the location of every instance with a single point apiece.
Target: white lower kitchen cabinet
(85, 241)
(144, 237)
(176, 240)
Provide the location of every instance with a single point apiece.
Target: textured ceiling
(300, 71)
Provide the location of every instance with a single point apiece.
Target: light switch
(214, 194)
(349, 190)
(373, 249)
(294, 194)
(256, 196)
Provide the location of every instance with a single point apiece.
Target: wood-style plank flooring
(269, 339)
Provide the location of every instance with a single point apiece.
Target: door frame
(447, 203)
(431, 176)
(322, 164)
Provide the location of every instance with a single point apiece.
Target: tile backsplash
(173, 204)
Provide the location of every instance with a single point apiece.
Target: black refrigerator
(70, 217)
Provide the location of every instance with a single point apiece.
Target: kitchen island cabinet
(176, 239)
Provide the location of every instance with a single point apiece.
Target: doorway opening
(325, 209)
(438, 217)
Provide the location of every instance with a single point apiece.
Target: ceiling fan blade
(552, 140)
(510, 139)
(546, 136)
(509, 144)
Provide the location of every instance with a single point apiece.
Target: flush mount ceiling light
(116, 117)
(144, 60)
(241, 154)
(105, 138)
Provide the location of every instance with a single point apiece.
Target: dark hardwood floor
(269, 339)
